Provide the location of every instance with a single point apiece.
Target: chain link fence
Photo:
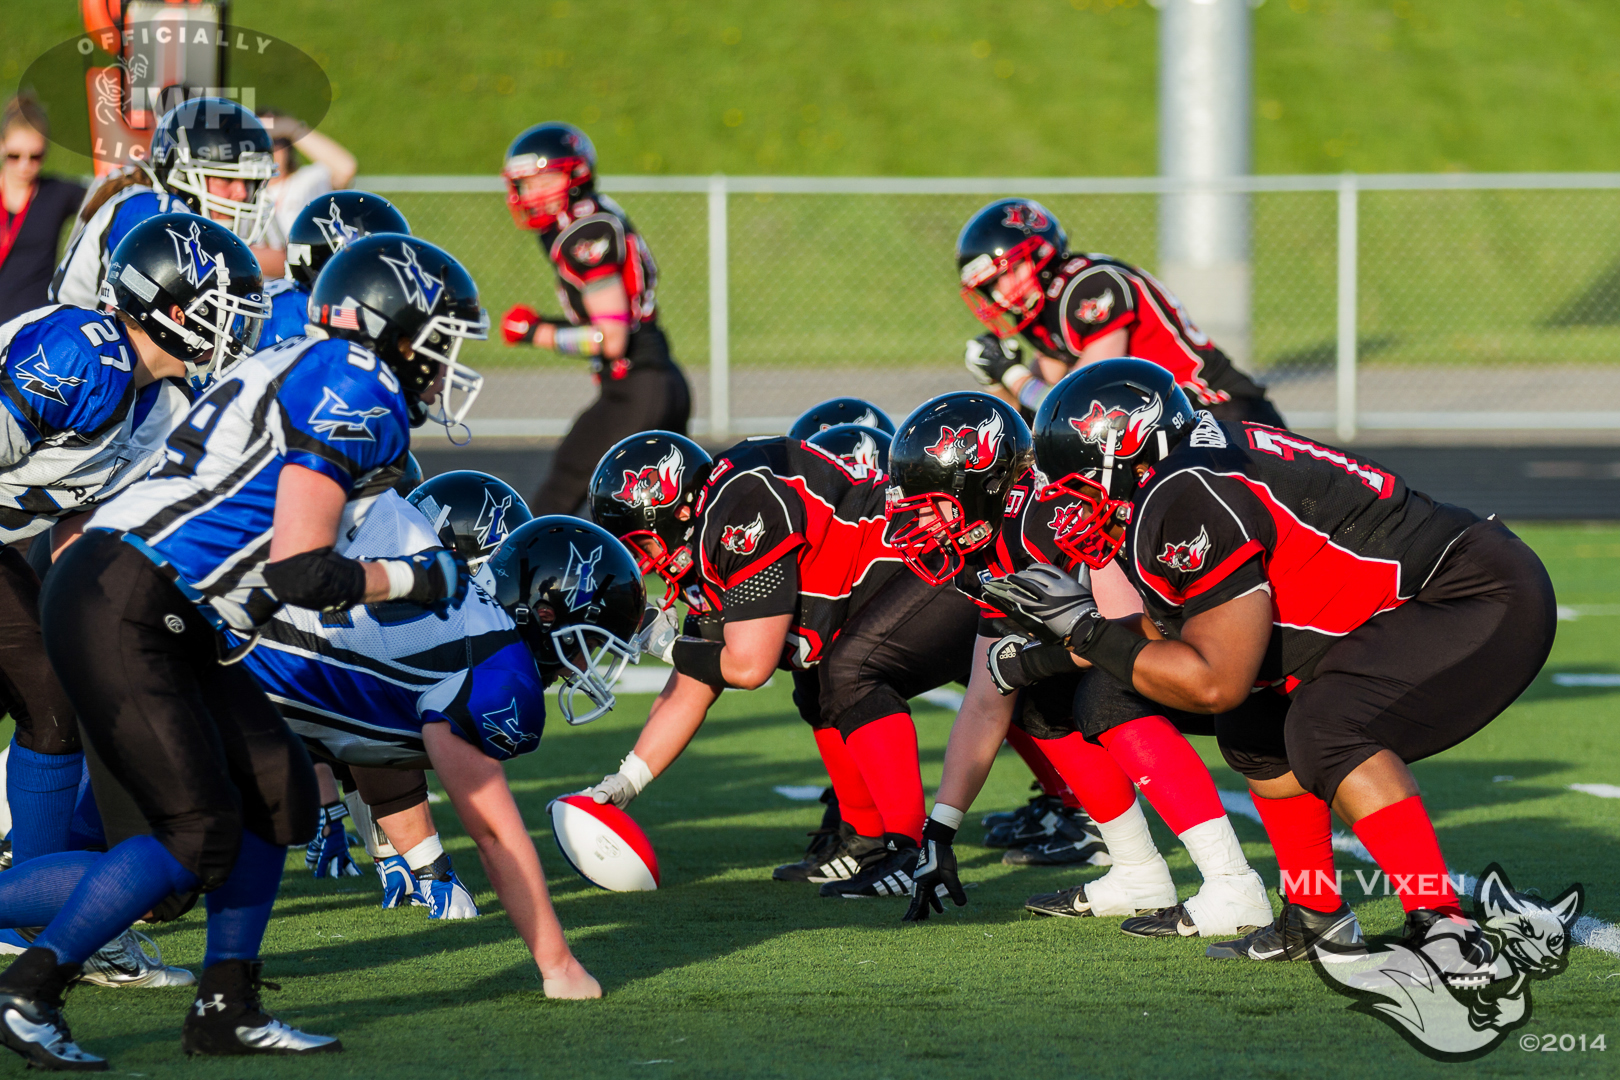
(1463, 301)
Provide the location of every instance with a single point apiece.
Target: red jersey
(1089, 296)
(1238, 507)
(786, 528)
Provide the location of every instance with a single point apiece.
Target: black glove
(934, 878)
(991, 360)
(1013, 666)
(1051, 605)
(438, 575)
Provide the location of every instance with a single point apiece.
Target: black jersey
(1239, 507)
(1028, 535)
(1092, 295)
(786, 528)
(593, 240)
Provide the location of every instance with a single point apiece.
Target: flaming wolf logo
(655, 485)
(1095, 309)
(743, 539)
(1188, 555)
(973, 448)
(590, 252)
(1132, 428)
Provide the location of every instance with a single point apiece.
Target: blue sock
(239, 910)
(120, 888)
(32, 895)
(41, 789)
(86, 832)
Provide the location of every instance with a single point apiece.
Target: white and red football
(603, 844)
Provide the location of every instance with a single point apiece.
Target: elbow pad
(321, 580)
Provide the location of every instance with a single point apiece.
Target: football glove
(934, 879)
(519, 324)
(621, 787)
(438, 575)
(399, 884)
(1014, 666)
(1049, 604)
(327, 856)
(992, 360)
(447, 897)
(657, 638)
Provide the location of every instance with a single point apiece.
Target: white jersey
(79, 275)
(74, 430)
(324, 404)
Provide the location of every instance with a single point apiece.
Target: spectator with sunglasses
(33, 209)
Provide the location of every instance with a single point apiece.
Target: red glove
(519, 324)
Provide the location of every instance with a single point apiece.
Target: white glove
(657, 638)
(621, 787)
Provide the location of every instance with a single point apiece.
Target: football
(604, 845)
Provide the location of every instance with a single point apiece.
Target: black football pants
(29, 688)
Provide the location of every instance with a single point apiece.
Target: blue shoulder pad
(289, 311)
(69, 371)
(343, 413)
(502, 704)
(136, 209)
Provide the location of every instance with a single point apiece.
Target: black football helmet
(856, 444)
(549, 147)
(839, 410)
(951, 466)
(642, 492)
(1094, 433)
(330, 221)
(472, 512)
(215, 137)
(577, 597)
(411, 478)
(391, 292)
(197, 265)
(1003, 253)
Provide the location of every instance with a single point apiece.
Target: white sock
(1214, 848)
(1128, 838)
(423, 854)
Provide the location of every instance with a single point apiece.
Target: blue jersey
(79, 275)
(361, 683)
(289, 311)
(74, 430)
(325, 404)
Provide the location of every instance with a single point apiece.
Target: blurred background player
(1021, 280)
(315, 234)
(605, 282)
(331, 168)
(209, 156)
(33, 208)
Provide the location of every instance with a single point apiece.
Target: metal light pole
(1205, 133)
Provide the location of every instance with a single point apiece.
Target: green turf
(725, 973)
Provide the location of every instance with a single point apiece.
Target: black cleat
(1074, 840)
(1460, 951)
(1034, 821)
(1298, 934)
(1001, 817)
(839, 863)
(228, 1018)
(31, 1021)
(885, 872)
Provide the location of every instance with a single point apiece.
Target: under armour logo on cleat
(217, 1004)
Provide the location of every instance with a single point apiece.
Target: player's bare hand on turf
(1044, 601)
(934, 879)
(572, 983)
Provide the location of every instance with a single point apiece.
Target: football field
(725, 973)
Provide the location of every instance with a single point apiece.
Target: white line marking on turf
(1565, 678)
(1572, 612)
(1602, 791)
(1589, 930)
(798, 792)
(943, 698)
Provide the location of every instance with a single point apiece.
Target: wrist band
(401, 577)
(700, 660)
(636, 771)
(1031, 393)
(1045, 661)
(578, 340)
(1113, 649)
(942, 824)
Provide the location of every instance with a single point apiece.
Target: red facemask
(1081, 528)
(539, 211)
(672, 567)
(1006, 315)
(933, 548)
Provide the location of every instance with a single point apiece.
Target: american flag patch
(346, 318)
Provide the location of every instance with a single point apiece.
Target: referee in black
(605, 280)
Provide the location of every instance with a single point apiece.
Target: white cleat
(133, 959)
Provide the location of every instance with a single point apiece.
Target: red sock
(1105, 791)
(855, 803)
(1045, 774)
(1301, 833)
(1173, 778)
(886, 753)
(1401, 839)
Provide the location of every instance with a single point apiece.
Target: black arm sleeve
(321, 580)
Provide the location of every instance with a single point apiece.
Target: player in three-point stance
(1336, 624)
(606, 279)
(1021, 280)
(778, 548)
(953, 522)
(208, 785)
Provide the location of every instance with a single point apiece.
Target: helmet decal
(973, 448)
(1188, 555)
(865, 451)
(195, 263)
(491, 527)
(1139, 423)
(333, 228)
(655, 485)
(581, 571)
(1025, 216)
(743, 539)
(334, 417)
(421, 288)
